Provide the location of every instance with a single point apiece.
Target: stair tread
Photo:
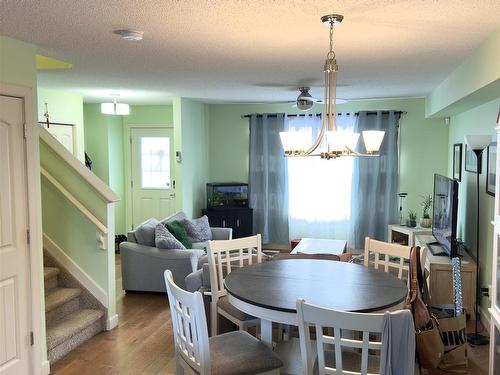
(59, 296)
(70, 325)
(49, 272)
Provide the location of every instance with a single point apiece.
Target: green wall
(17, 63)
(423, 144)
(191, 138)
(64, 107)
(479, 120)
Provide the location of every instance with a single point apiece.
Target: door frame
(39, 363)
(127, 134)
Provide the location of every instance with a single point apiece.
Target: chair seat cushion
(224, 304)
(351, 361)
(239, 353)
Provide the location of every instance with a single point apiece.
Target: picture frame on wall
(491, 168)
(457, 161)
(470, 161)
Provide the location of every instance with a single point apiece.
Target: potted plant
(425, 221)
(412, 219)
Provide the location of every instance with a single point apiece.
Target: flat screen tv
(444, 215)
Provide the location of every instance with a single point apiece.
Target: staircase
(71, 316)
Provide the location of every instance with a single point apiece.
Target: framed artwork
(471, 161)
(457, 161)
(491, 168)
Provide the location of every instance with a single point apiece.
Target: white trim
(75, 201)
(485, 319)
(75, 270)
(45, 367)
(33, 191)
(112, 322)
(95, 182)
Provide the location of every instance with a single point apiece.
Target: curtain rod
(320, 114)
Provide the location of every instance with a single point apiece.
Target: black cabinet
(240, 219)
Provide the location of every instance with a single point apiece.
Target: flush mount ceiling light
(339, 142)
(115, 108)
(128, 34)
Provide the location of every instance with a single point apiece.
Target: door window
(155, 162)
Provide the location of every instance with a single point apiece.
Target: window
(155, 162)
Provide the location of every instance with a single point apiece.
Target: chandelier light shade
(477, 142)
(115, 108)
(338, 142)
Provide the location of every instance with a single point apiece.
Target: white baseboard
(112, 322)
(485, 319)
(75, 270)
(45, 367)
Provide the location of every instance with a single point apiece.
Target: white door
(64, 133)
(152, 173)
(14, 261)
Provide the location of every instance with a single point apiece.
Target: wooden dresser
(440, 277)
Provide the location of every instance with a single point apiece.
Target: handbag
(430, 348)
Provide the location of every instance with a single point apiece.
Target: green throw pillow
(177, 229)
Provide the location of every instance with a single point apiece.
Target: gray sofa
(142, 266)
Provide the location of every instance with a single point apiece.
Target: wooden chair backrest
(189, 326)
(225, 255)
(388, 250)
(321, 319)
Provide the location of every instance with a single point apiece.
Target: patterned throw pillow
(177, 229)
(165, 240)
(198, 230)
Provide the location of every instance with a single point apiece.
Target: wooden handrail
(75, 201)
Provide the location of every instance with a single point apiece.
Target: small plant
(412, 216)
(426, 206)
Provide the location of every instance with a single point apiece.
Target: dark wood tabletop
(335, 285)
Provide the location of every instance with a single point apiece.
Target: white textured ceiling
(228, 51)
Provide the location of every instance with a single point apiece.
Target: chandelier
(339, 142)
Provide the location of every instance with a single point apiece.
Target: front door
(152, 173)
(14, 260)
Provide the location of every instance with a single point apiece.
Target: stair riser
(59, 312)
(75, 341)
(50, 283)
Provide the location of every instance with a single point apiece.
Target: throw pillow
(198, 230)
(179, 216)
(145, 232)
(165, 240)
(179, 232)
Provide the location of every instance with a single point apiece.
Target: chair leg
(214, 319)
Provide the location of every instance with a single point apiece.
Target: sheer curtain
(268, 180)
(319, 196)
(375, 181)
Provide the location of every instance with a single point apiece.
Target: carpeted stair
(69, 323)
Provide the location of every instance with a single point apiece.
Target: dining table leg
(266, 332)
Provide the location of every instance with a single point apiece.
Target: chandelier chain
(331, 53)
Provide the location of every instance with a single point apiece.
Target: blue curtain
(268, 178)
(375, 180)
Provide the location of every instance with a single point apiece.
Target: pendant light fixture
(115, 108)
(339, 142)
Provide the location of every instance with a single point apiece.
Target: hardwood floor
(143, 343)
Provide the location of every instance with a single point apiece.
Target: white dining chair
(338, 352)
(233, 353)
(395, 257)
(223, 257)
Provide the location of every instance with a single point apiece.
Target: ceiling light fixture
(115, 108)
(339, 142)
(128, 34)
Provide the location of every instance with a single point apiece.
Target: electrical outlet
(485, 292)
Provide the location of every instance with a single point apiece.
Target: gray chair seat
(224, 304)
(351, 361)
(239, 353)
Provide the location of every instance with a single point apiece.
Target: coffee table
(320, 246)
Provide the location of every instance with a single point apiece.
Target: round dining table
(270, 290)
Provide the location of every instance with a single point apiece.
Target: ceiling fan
(305, 100)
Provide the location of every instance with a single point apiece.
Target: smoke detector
(128, 34)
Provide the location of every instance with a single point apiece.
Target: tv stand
(440, 278)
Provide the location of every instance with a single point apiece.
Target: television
(444, 216)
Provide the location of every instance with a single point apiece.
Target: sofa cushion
(177, 229)
(200, 245)
(179, 216)
(145, 232)
(224, 304)
(198, 230)
(166, 240)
